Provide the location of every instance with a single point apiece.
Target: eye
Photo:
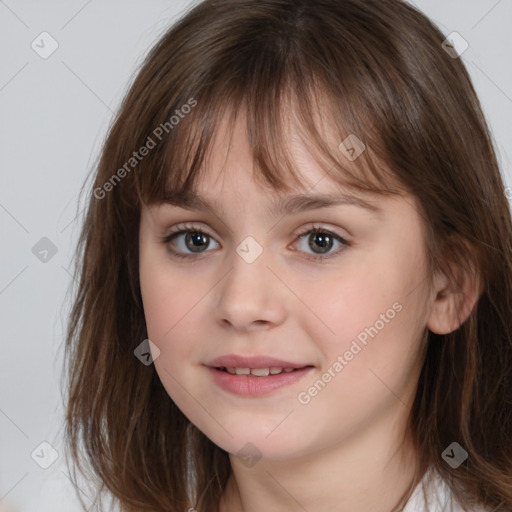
(323, 239)
(195, 240)
(187, 237)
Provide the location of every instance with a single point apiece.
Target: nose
(250, 296)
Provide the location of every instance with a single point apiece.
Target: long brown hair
(373, 68)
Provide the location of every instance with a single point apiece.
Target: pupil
(322, 239)
(199, 238)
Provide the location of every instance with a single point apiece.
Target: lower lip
(250, 385)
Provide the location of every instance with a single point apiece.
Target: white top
(440, 498)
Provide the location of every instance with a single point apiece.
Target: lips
(254, 376)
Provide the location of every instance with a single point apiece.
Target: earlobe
(451, 305)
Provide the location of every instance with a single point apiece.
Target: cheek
(342, 306)
(174, 300)
(369, 339)
(168, 306)
(374, 312)
(157, 298)
(166, 295)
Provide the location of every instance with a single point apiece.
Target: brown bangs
(276, 93)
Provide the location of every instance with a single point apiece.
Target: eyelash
(190, 228)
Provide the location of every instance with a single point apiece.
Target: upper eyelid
(188, 227)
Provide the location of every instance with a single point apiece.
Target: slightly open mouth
(259, 372)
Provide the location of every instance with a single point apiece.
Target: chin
(252, 445)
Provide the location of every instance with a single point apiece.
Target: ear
(452, 303)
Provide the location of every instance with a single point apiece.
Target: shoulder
(439, 497)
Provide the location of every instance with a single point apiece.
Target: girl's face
(352, 323)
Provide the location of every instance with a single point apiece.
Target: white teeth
(258, 372)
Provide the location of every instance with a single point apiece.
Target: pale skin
(343, 449)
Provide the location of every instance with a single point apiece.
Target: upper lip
(241, 361)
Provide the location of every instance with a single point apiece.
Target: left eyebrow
(301, 203)
(293, 204)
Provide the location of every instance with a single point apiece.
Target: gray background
(54, 114)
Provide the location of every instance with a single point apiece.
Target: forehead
(233, 144)
(228, 174)
(243, 152)
(230, 159)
